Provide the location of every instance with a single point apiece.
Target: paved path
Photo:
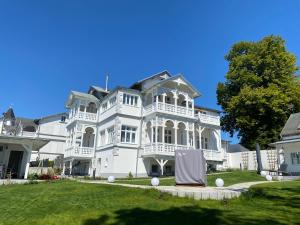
(216, 193)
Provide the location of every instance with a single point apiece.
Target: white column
(71, 165)
(27, 163)
(151, 132)
(175, 101)
(164, 100)
(63, 169)
(156, 99)
(156, 132)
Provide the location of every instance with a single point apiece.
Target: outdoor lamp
(269, 178)
(263, 173)
(155, 181)
(219, 182)
(111, 179)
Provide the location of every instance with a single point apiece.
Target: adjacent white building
(137, 129)
(24, 140)
(289, 146)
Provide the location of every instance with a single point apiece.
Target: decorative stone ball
(154, 181)
(269, 178)
(219, 182)
(111, 179)
(263, 173)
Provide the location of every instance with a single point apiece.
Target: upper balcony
(208, 119)
(79, 152)
(168, 108)
(164, 149)
(86, 116)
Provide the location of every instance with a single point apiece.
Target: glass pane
(123, 136)
(133, 138)
(127, 137)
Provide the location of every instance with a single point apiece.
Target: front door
(14, 163)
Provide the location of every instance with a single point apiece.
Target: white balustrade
(209, 119)
(80, 152)
(169, 150)
(168, 108)
(84, 116)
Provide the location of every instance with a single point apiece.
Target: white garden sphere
(154, 181)
(269, 178)
(219, 182)
(111, 179)
(263, 173)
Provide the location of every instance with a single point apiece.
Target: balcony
(91, 117)
(79, 152)
(168, 108)
(169, 150)
(208, 119)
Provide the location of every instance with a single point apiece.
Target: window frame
(128, 134)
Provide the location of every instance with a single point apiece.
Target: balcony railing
(208, 119)
(79, 152)
(84, 116)
(169, 150)
(168, 108)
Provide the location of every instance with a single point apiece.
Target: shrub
(33, 176)
(57, 171)
(50, 172)
(130, 176)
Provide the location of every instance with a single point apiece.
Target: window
(295, 156)
(104, 106)
(63, 119)
(130, 99)
(154, 134)
(168, 136)
(110, 135)
(128, 134)
(102, 137)
(112, 101)
(81, 108)
(204, 143)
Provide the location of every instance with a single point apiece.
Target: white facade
(138, 129)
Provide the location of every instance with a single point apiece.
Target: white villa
(137, 129)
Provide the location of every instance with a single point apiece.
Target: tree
(260, 92)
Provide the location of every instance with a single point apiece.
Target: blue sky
(48, 48)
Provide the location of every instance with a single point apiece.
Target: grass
(229, 178)
(74, 203)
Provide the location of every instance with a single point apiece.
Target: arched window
(88, 138)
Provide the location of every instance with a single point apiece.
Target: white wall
(247, 160)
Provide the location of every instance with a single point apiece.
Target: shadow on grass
(174, 216)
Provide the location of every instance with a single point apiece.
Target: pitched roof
(197, 93)
(136, 84)
(100, 89)
(208, 109)
(81, 95)
(292, 126)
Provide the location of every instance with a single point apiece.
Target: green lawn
(70, 202)
(229, 179)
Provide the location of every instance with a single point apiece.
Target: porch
(15, 153)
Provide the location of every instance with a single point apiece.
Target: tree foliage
(260, 91)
